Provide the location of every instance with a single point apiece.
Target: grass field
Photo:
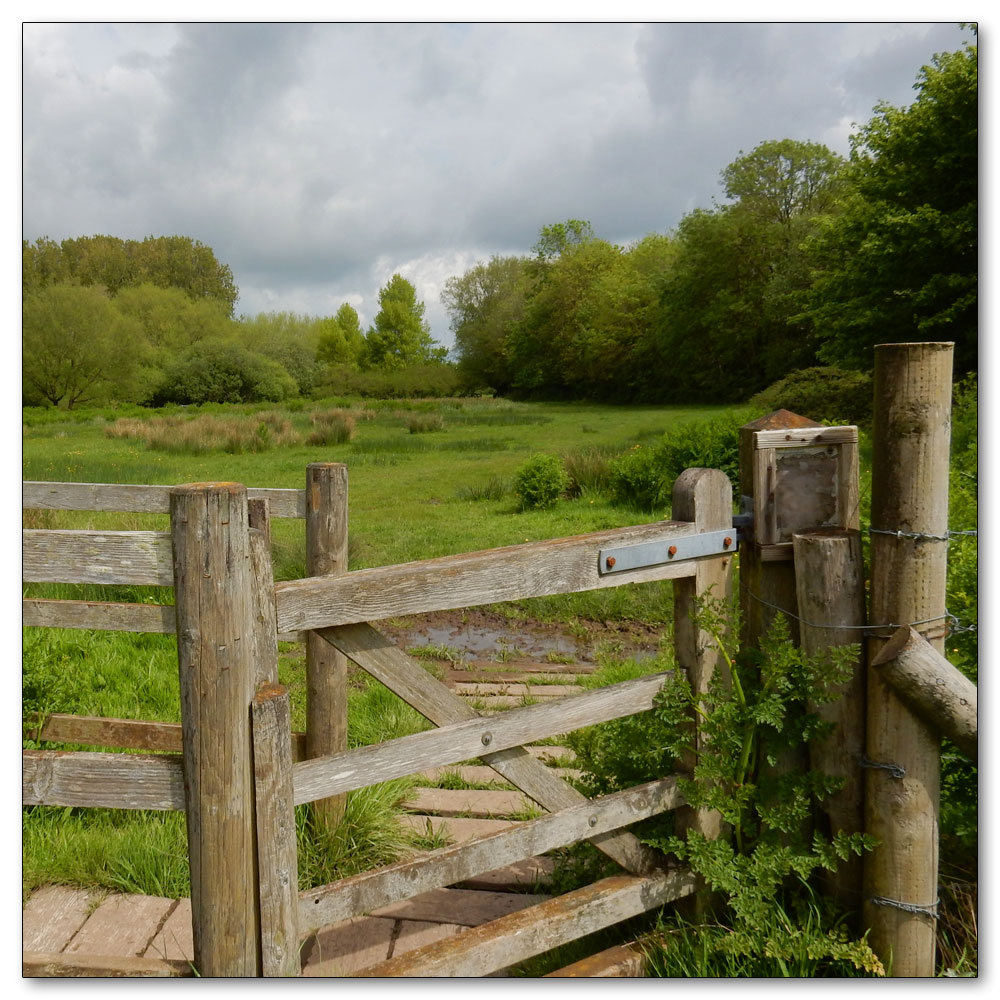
(426, 480)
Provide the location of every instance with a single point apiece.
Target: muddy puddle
(479, 635)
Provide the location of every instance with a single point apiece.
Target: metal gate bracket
(675, 549)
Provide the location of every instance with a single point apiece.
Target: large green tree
(340, 337)
(78, 348)
(730, 320)
(485, 304)
(400, 335)
(902, 264)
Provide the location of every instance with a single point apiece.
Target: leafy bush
(540, 482)
(756, 709)
(833, 395)
(636, 479)
(423, 381)
(704, 444)
(216, 371)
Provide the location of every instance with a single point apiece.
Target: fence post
(830, 586)
(909, 494)
(277, 855)
(705, 497)
(215, 645)
(326, 667)
(765, 584)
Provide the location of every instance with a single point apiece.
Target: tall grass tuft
(589, 470)
(331, 427)
(206, 433)
(425, 423)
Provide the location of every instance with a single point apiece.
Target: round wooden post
(909, 565)
(830, 584)
(214, 590)
(326, 667)
(704, 497)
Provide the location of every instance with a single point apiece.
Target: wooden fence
(242, 771)
(237, 778)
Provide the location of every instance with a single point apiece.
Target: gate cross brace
(383, 660)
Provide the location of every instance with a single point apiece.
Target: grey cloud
(316, 159)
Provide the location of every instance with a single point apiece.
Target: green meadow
(425, 479)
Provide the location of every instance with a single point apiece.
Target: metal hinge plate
(667, 550)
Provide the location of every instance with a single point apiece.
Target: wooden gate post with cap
(326, 667)
(909, 549)
(704, 497)
(216, 643)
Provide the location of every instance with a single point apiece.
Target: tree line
(106, 320)
(810, 260)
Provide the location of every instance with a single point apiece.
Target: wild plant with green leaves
(755, 710)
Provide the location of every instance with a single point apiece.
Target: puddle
(484, 638)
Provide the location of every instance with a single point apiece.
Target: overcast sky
(318, 159)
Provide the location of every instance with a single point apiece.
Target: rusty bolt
(609, 562)
(487, 739)
(726, 542)
(672, 551)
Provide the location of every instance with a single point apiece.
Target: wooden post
(705, 497)
(215, 646)
(830, 584)
(264, 612)
(909, 495)
(765, 585)
(277, 856)
(932, 688)
(326, 667)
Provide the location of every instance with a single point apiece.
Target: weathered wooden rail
(237, 747)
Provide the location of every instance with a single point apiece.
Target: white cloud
(318, 159)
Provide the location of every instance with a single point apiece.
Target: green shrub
(636, 479)
(703, 444)
(589, 469)
(216, 371)
(540, 482)
(832, 395)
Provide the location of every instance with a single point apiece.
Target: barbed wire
(924, 536)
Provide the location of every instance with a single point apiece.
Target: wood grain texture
(806, 437)
(623, 961)
(326, 667)
(52, 915)
(704, 496)
(277, 854)
(122, 557)
(366, 892)
(912, 431)
(559, 566)
(101, 615)
(101, 780)
(138, 498)
(518, 936)
(396, 758)
(380, 658)
(214, 591)
(932, 688)
(35, 965)
(126, 734)
(830, 588)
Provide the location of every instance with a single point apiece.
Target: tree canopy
(114, 264)
(901, 264)
(400, 335)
